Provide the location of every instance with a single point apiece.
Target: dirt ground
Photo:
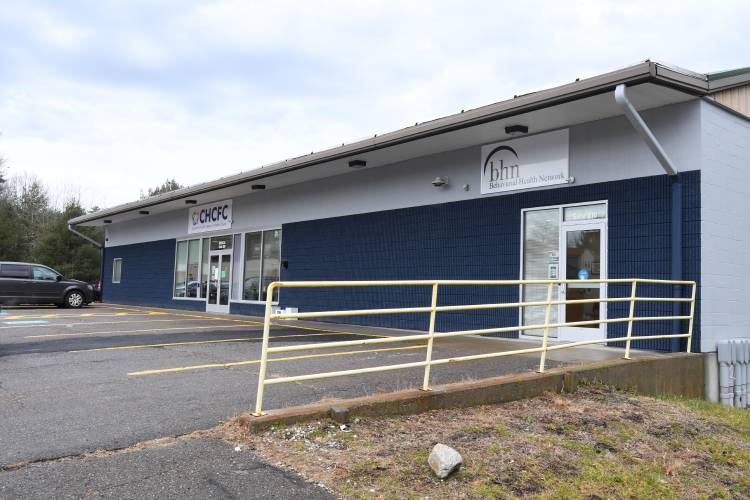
(596, 443)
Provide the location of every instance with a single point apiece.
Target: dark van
(25, 283)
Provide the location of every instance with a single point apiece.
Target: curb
(678, 374)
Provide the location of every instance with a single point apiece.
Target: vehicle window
(14, 271)
(42, 273)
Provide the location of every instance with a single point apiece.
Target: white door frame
(219, 308)
(572, 333)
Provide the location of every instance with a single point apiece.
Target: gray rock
(444, 460)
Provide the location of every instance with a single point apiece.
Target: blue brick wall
(480, 239)
(147, 275)
(476, 239)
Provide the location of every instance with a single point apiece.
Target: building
(640, 172)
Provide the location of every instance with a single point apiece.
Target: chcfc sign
(210, 217)
(526, 162)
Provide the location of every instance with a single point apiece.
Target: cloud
(122, 95)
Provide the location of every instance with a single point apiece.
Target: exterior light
(190, 202)
(107, 221)
(144, 212)
(516, 129)
(256, 187)
(357, 163)
(439, 182)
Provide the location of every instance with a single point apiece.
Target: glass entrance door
(583, 258)
(219, 282)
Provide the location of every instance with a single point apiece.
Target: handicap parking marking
(270, 360)
(26, 322)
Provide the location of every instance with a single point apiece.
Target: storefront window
(193, 269)
(187, 270)
(180, 269)
(541, 260)
(271, 258)
(262, 263)
(251, 281)
(204, 267)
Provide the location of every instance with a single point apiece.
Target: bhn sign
(210, 217)
(527, 162)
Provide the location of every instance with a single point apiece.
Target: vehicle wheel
(74, 299)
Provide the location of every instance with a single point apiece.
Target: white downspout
(640, 126)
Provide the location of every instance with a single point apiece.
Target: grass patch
(596, 443)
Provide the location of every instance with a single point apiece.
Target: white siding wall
(725, 226)
(600, 151)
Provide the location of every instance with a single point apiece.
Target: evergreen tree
(165, 187)
(10, 228)
(69, 254)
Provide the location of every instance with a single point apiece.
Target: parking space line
(129, 322)
(82, 315)
(194, 342)
(25, 322)
(146, 330)
(255, 361)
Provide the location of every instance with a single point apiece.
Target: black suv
(24, 283)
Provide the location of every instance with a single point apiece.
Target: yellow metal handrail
(433, 309)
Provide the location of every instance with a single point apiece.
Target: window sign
(210, 217)
(585, 212)
(527, 162)
(221, 242)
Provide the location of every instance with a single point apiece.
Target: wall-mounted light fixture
(107, 221)
(516, 129)
(439, 182)
(258, 187)
(190, 202)
(143, 212)
(357, 163)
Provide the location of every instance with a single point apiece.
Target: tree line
(33, 229)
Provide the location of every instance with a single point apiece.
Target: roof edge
(644, 72)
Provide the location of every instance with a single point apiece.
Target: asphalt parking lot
(107, 377)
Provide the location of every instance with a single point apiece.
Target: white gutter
(81, 235)
(640, 126)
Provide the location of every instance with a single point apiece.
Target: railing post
(264, 351)
(543, 358)
(630, 318)
(692, 317)
(433, 313)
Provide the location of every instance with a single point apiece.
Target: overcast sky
(107, 98)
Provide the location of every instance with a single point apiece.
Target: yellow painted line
(128, 322)
(255, 361)
(64, 316)
(194, 342)
(249, 322)
(148, 330)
